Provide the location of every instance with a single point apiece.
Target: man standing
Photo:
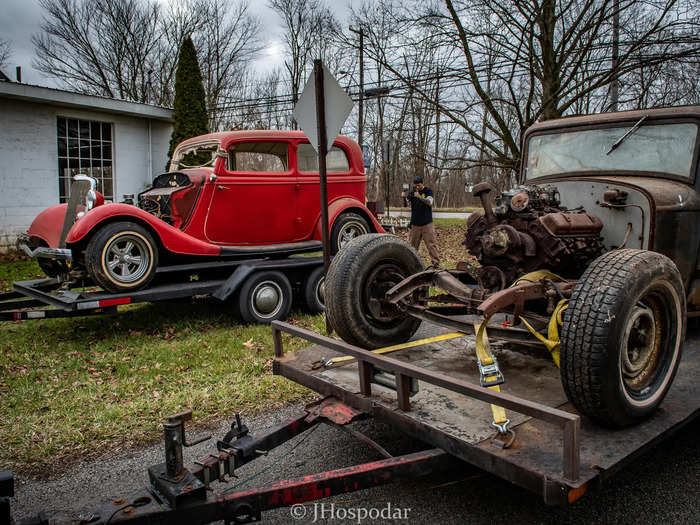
(422, 227)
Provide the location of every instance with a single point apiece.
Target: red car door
(254, 199)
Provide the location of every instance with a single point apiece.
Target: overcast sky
(20, 19)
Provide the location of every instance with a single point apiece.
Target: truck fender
(344, 204)
(172, 239)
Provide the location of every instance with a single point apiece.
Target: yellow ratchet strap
(394, 348)
(490, 375)
(552, 340)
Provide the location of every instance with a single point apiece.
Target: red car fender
(341, 205)
(48, 224)
(172, 239)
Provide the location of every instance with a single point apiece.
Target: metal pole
(322, 152)
(360, 109)
(361, 106)
(615, 86)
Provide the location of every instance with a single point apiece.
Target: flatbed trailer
(49, 298)
(431, 392)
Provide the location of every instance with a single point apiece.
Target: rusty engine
(528, 230)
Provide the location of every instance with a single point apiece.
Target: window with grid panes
(84, 146)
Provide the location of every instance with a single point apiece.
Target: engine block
(528, 229)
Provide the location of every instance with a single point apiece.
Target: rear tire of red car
(122, 257)
(346, 228)
(265, 297)
(314, 291)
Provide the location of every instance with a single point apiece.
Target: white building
(48, 135)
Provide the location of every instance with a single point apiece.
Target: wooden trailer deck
(556, 453)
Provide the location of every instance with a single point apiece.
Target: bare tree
(128, 48)
(309, 29)
(5, 52)
(515, 62)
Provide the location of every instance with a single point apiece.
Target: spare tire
(621, 337)
(359, 276)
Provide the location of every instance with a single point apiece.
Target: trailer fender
(234, 282)
(347, 204)
(170, 237)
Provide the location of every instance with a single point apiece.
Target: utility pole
(360, 106)
(615, 84)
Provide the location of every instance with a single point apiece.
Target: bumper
(61, 254)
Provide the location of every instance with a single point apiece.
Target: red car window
(259, 156)
(336, 160)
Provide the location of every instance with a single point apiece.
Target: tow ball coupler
(171, 479)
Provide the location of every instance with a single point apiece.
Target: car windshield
(202, 155)
(661, 148)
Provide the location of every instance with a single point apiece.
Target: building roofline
(59, 97)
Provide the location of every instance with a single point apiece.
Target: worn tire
(345, 228)
(102, 250)
(313, 291)
(265, 297)
(621, 337)
(363, 268)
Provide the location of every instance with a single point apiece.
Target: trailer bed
(47, 298)
(461, 425)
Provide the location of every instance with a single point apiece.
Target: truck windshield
(661, 148)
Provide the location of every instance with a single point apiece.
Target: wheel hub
(127, 259)
(350, 231)
(640, 342)
(381, 280)
(267, 299)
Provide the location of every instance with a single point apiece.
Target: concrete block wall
(29, 158)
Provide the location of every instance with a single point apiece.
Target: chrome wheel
(127, 258)
(267, 299)
(349, 231)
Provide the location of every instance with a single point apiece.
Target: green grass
(15, 268)
(72, 388)
(450, 223)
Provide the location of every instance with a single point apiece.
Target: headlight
(90, 196)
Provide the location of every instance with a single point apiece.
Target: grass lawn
(75, 388)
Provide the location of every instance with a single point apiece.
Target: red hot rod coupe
(227, 195)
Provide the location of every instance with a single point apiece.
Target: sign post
(322, 90)
(322, 152)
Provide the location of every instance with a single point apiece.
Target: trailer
(428, 389)
(259, 290)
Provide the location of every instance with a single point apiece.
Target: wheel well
(362, 213)
(82, 243)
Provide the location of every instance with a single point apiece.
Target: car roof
(226, 137)
(618, 116)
